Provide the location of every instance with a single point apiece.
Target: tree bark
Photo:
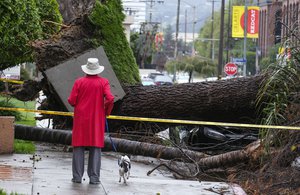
(183, 170)
(141, 148)
(230, 158)
(230, 100)
(122, 145)
(73, 9)
(225, 100)
(71, 41)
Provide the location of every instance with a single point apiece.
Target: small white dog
(124, 168)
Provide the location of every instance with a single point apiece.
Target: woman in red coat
(92, 101)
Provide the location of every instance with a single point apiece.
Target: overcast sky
(166, 13)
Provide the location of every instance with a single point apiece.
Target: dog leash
(107, 130)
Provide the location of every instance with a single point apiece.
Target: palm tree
(278, 93)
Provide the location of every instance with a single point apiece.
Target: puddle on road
(10, 173)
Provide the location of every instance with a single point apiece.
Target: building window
(277, 30)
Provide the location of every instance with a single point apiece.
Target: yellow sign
(281, 50)
(238, 23)
(237, 29)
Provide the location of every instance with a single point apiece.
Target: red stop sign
(230, 69)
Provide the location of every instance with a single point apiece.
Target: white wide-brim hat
(92, 67)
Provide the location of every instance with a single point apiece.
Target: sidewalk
(50, 173)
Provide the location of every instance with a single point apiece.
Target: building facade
(279, 19)
(291, 19)
(137, 10)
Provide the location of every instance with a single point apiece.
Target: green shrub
(2, 192)
(24, 74)
(24, 118)
(16, 114)
(107, 18)
(264, 63)
(23, 21)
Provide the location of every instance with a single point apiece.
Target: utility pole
(257, 69)
(177, 29)
(212, 44)
(220, 60)
(149, 29)
(152, 3)
(150, 14)
(228, 32)
(185, 29)
(194, 23)
(212, 32)
(176, 38)
(245, 38)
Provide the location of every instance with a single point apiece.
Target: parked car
(216, 138)
(163, 80)
(147, 82)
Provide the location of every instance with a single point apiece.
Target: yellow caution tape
(188, 122)
(11, 81)
(38, 111)
(157, 120)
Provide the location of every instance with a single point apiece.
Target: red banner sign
(253, 22)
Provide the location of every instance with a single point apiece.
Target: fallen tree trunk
(197, 169)
(230, 100)
(123, 146)
(201, 160)
(224, 100)
(230, 158)
(207, 101)
(194, 101)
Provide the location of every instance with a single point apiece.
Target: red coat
(92, 102)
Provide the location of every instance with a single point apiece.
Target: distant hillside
(166, 13)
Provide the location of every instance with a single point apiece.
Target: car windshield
(164, 78)
(148, 82)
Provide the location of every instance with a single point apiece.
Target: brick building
(291, 18)
(278, 19)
